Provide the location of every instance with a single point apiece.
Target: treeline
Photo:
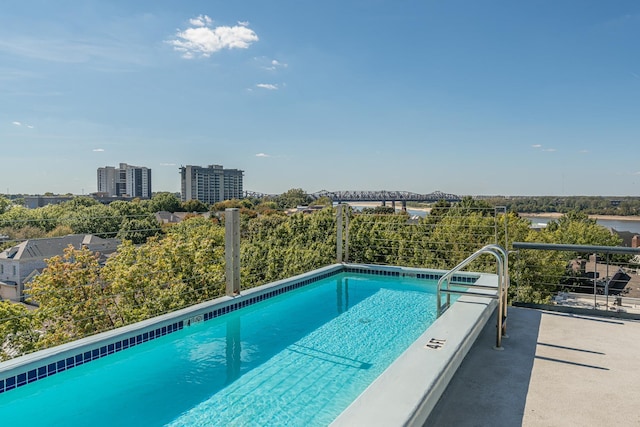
(183, 264)
(591, 205)
(133, 220)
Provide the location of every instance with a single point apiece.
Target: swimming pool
(296, 352)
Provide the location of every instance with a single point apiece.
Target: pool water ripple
(298, 359)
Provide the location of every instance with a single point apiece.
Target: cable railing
(173, 266)
(577, 277)
(168, 271)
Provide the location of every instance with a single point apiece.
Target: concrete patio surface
(556, 369)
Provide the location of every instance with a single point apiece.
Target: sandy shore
(398, 206)
(553, 215)
(602, 217)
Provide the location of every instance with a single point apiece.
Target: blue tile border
(461, 280)
(32, 374)
(52, 368)
(267, 295)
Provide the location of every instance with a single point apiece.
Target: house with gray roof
(22, 262)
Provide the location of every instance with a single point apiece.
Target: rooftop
(52, 246)
(556, 369)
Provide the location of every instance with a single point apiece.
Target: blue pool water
(297, 359)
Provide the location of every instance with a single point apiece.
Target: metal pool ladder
(502, 257)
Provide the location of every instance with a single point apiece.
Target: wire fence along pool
(89, 270)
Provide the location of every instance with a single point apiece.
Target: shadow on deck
(556, 369)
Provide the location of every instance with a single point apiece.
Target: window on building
(1, 269)
(14, 270)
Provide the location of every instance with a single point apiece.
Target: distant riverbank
(398, 206)
(617, 222)
(546, 215)
(556, 215)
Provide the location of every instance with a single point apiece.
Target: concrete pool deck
(556, 369)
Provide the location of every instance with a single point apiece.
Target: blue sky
(538, 97)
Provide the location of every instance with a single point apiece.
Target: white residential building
(211, 184)
(19, 263)
(125, 180)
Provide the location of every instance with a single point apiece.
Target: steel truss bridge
(373, 196)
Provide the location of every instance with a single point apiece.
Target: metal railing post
(346, 234)
(232, 250)
(606, 284)
(339, 228)
(595, 281)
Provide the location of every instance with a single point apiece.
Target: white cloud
(202, 39)
(267, 86)
(262, 155)
(584, 151)
(272, 65)
(537, 145)
(277, 63)
(167, 164)
(98, 150)
(201, 21)
(16, 123)
(243, 23)
(549, 150)
(269, 64)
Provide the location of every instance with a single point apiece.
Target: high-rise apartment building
(107, 177)
(211, 184)
(125, 180)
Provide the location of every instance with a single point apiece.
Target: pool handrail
(502, 258)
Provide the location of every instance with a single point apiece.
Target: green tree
(4, 204)
(226, 204)
(183, 268)
(16, 217)
(267, 207)
(194, 206)
(80, 201)
(578, 229)
(59, 231)
(275, 246)
(379, 210)
(323, 201)
(139, 229)
(96, 219)
(437, 212)
(136, 222)
(49, 217)
(18, 331)
(73, 300)
(164, 202)
(373, 238)
(23, 233)
(292, 198)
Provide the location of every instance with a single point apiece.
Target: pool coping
(32, 367)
